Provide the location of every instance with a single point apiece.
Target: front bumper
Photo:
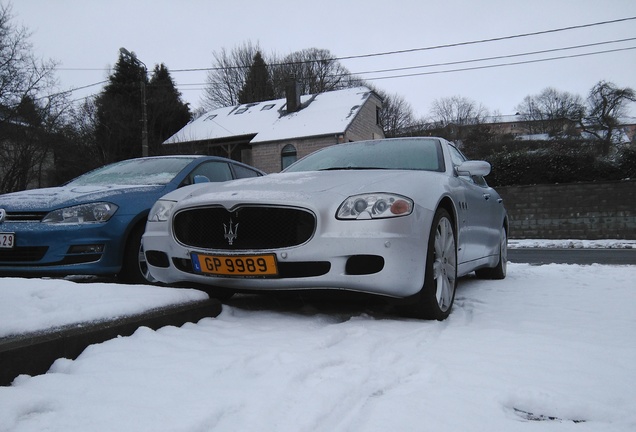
(385, 257)
(50, 249)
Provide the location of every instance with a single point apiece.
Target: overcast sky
(84, 36)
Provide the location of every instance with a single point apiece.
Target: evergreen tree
(258, 85)
(119, 111)
(167, 113)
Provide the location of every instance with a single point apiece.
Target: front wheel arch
(436, 297)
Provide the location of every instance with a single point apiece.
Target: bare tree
(455, 114)
(316, 70)
(606, 104)
(551, 112)
(76, 149)
(396, 115)
(25, 115)
(228, 76)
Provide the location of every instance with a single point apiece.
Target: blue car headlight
(375, 206)
(86, 213)
(160, 212)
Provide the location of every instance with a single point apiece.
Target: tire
(134, 269)
(435, 299)
(500, 270)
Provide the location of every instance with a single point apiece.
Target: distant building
(519, 128)
(270, 135)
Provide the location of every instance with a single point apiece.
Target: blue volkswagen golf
(93, 224)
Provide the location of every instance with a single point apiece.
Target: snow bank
(550, 348)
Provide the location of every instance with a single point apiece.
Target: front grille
(26, 254)
(247, 227)
(25, 216)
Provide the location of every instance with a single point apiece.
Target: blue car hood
(48, 199)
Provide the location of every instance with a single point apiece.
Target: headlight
(85, 213)
(375, 206)
(160, 212)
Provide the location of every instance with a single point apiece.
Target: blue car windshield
(423, 154)
(151, 171)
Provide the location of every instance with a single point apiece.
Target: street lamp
(144, 114)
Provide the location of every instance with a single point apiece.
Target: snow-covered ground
(550, 348)
(38, 305)
(572, 244)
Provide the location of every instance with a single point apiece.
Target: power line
(502, 64)
(475, 61)
(522, 35)
(454, 62)
(435, 47)
(499, 57)
(378, 54)
(491, 39)
(73, 90)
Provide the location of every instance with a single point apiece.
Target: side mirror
(473, 168)
(201, 179)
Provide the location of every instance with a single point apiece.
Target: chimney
(292, 92)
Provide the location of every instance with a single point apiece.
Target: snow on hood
(57, 197)
(300, 187)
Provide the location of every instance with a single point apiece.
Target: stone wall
(595, 210)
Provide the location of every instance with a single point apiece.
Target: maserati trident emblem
(3, 214)
(230, 232)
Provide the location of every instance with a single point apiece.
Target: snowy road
(550, 348)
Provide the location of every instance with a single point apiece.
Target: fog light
(86, 249)
(157, 259)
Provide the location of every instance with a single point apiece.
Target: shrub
(561, 162)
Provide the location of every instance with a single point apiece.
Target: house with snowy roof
(270, 135)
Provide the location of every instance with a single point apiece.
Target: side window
(214, 171)
(456, 156)
(288, 156)
(243, 172)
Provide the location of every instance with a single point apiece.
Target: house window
(378, 116)
(288, 156)
(267, 107)
(241, 110)
(210, 117)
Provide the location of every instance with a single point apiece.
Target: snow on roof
(321, 114)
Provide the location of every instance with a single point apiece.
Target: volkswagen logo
(3, 214)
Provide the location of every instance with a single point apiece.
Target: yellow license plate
(235, 265)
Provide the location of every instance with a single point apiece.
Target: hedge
(560, 162)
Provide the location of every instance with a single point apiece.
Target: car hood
(47, 199)
(299, 188)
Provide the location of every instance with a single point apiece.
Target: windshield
(150, 171)
(395, 154)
